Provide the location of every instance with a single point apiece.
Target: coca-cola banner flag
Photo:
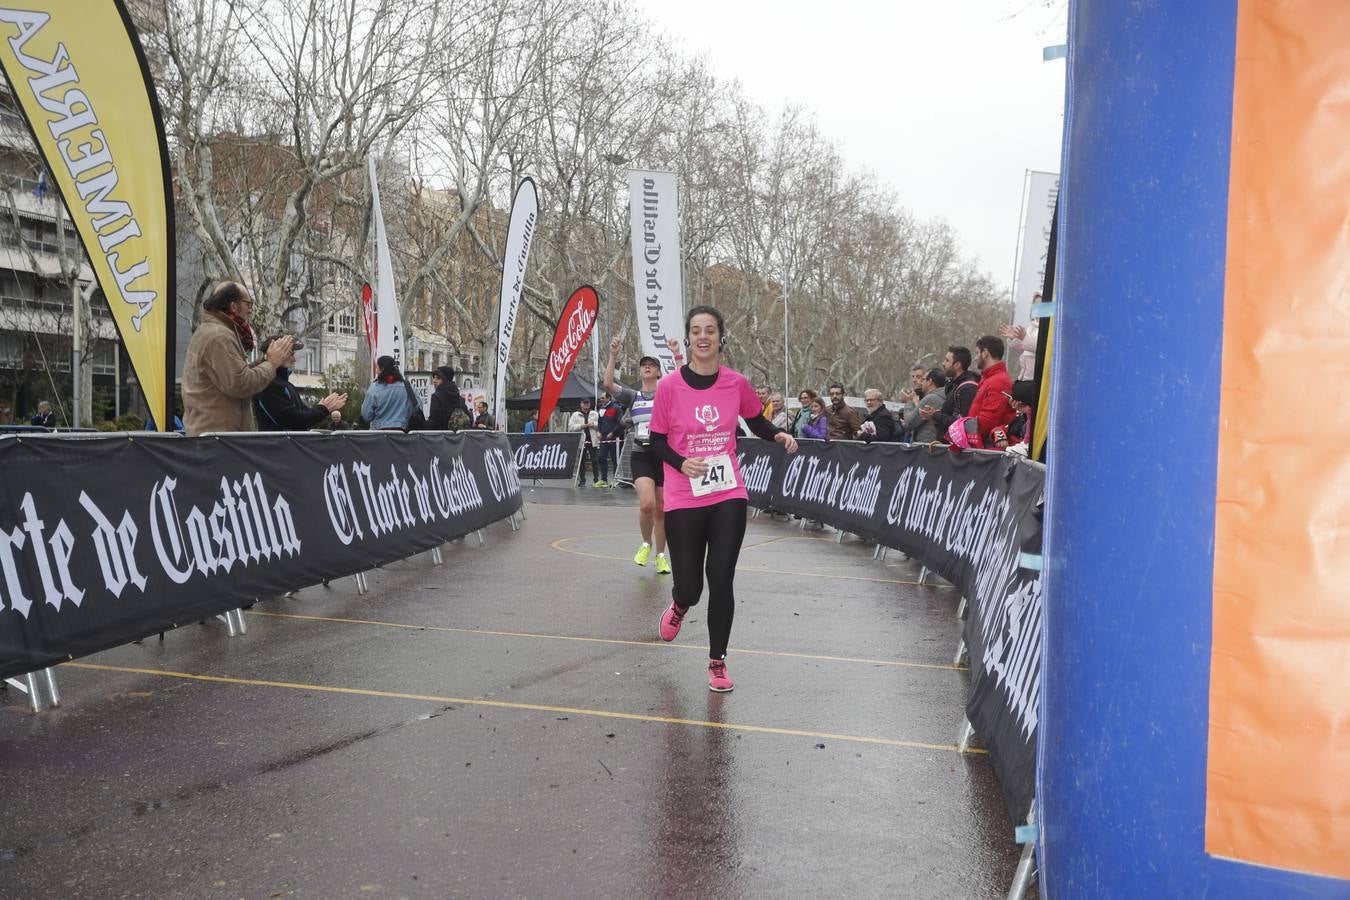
(574, 326)
(543, 455)
(966, 516)
(106, 540)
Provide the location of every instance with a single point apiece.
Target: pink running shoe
(718, 680)
(671, 620)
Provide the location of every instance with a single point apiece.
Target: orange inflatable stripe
(1278, 781)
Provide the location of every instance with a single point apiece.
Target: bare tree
(273, 108)
(275, 105)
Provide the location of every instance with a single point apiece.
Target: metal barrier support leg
(29, 687)
(34, 698)
(436, 558)
(481, 542)
(228, 618)
(923, 573)
(839, 539)
(239, 621)
(960, 652)
(961, 608)
(967, 732)
(54, 695)
(1026, 866)
(515, 526)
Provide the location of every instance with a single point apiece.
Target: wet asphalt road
(509, 725)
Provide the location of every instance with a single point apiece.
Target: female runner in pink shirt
(693, 433)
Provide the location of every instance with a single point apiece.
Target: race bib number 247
(719, 477)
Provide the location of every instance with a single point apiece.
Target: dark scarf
(241, 328)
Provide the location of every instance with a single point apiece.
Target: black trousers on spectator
(609, 456)
(710, 534)
(588, 455)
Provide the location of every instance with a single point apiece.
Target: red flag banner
(372, 325)
(574, 326)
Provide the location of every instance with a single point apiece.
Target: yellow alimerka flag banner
(79, 76)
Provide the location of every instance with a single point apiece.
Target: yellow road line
(786, 537)
(558, 545)
(594, 640)
(527, 707)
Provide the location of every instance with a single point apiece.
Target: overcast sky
(946, 101)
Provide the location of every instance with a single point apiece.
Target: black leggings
(715, 532)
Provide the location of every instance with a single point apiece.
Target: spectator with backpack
(961, 387)
(448, 409)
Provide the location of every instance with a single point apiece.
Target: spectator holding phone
(934, 387)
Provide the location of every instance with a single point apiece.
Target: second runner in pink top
(702, 423)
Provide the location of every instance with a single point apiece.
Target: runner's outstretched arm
(609, 369)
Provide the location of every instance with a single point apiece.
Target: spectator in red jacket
(990, 405)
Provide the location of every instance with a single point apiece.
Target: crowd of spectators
(971, 397)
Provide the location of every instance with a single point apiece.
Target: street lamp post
(787, 386)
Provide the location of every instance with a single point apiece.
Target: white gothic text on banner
(519, 236)
(1042, 190)
(654, 212)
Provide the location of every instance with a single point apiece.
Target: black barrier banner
(546, 454)
(968, 517)
(106, 540)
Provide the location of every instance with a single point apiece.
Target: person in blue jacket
(389, 404)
